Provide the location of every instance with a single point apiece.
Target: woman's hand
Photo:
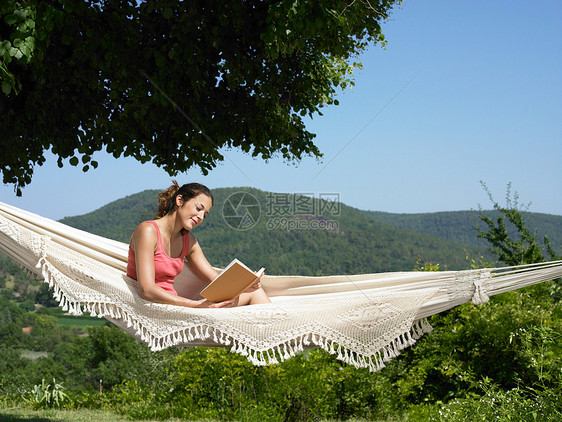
(255, 286)
(204, 303)
(225, 304)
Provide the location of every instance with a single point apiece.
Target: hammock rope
(363, 319)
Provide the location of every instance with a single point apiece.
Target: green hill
(331, 238)
(459, 226)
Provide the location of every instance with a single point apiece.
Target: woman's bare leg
(253, 298)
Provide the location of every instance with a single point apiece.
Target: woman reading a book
(158, 249)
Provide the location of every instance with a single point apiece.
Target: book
(231, 282)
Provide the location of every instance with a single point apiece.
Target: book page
(231, 282)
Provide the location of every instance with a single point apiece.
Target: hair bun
(167, 198)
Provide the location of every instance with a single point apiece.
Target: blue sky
(464, 91)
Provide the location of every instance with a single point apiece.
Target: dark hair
(167, 198)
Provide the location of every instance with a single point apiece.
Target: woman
(158, 249)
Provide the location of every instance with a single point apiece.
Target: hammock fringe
(259, 357)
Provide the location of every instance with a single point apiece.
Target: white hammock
(364, 319)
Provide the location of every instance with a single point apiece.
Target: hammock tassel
(416, 330)
(263, 361)
(197, 334)
(71, 306)
(379, 360)
(188, 334)
(129, 321)
(258, 358)
(227, 340)
(286, 354)
(64, 303)
(426, 327)
(236, 347)
(244, 350)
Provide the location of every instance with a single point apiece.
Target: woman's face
(193, 212)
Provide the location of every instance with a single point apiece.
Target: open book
(231, 282)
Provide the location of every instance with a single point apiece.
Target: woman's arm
(144, 243)
(197, 262)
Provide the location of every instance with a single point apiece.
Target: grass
(18, 414)
(86, 415)
(80, 321)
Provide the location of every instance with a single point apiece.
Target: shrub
(45, 395)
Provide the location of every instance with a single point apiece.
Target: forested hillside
(459, 226)
(330, 238)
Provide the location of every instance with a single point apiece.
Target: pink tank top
(165, 267)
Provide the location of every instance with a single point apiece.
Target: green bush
(47, 395)
(518, 404)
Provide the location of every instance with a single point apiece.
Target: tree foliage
(172, 81)
(508, 235)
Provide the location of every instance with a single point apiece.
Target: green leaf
(20, 13)
(11, 19)
(73, 161)
(30, 42)
(6, 87)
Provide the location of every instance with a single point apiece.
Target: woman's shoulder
(148, 226)
(145, 231)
